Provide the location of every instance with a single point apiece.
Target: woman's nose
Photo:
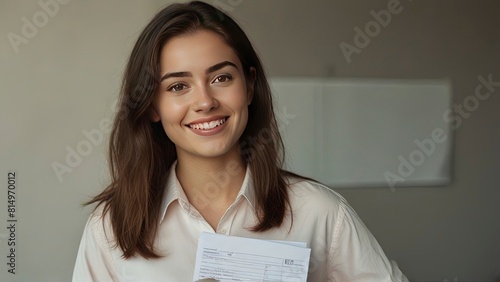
(205, 101)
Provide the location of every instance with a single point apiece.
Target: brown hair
(140, 153)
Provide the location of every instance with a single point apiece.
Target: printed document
(229, 258)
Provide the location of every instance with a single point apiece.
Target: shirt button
(222, 231)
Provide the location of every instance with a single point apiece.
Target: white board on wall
(366, 132)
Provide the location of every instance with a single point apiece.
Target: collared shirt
(342, 248)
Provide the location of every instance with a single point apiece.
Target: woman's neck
(211, 184)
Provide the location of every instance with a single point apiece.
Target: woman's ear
(153, 114)
(251, 85)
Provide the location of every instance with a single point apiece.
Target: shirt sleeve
(355, 254)
(94, 261)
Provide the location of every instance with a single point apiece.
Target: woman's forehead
(196, 51)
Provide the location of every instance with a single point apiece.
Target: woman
(195, 148)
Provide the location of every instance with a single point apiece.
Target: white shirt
(342, 248)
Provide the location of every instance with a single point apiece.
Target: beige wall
(65, 78)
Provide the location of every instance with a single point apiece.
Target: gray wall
(65, 78)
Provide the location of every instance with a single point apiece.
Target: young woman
(195, 148)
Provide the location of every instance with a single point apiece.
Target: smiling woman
(196, 148)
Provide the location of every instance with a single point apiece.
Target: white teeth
(208, 125)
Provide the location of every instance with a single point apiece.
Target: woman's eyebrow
(211, 69)
(176, 74)
(220, 65)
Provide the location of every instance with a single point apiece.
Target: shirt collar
(174, 191)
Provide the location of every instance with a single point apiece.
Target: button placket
(224, 226)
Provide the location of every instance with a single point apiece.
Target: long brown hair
(140, 153)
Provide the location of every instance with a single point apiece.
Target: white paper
(291, 243)
(229, 258)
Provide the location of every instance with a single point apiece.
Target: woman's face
(203, 97)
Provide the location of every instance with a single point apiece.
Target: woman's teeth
(208, 125)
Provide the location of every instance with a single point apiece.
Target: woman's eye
(222, 78)
(177, 87)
